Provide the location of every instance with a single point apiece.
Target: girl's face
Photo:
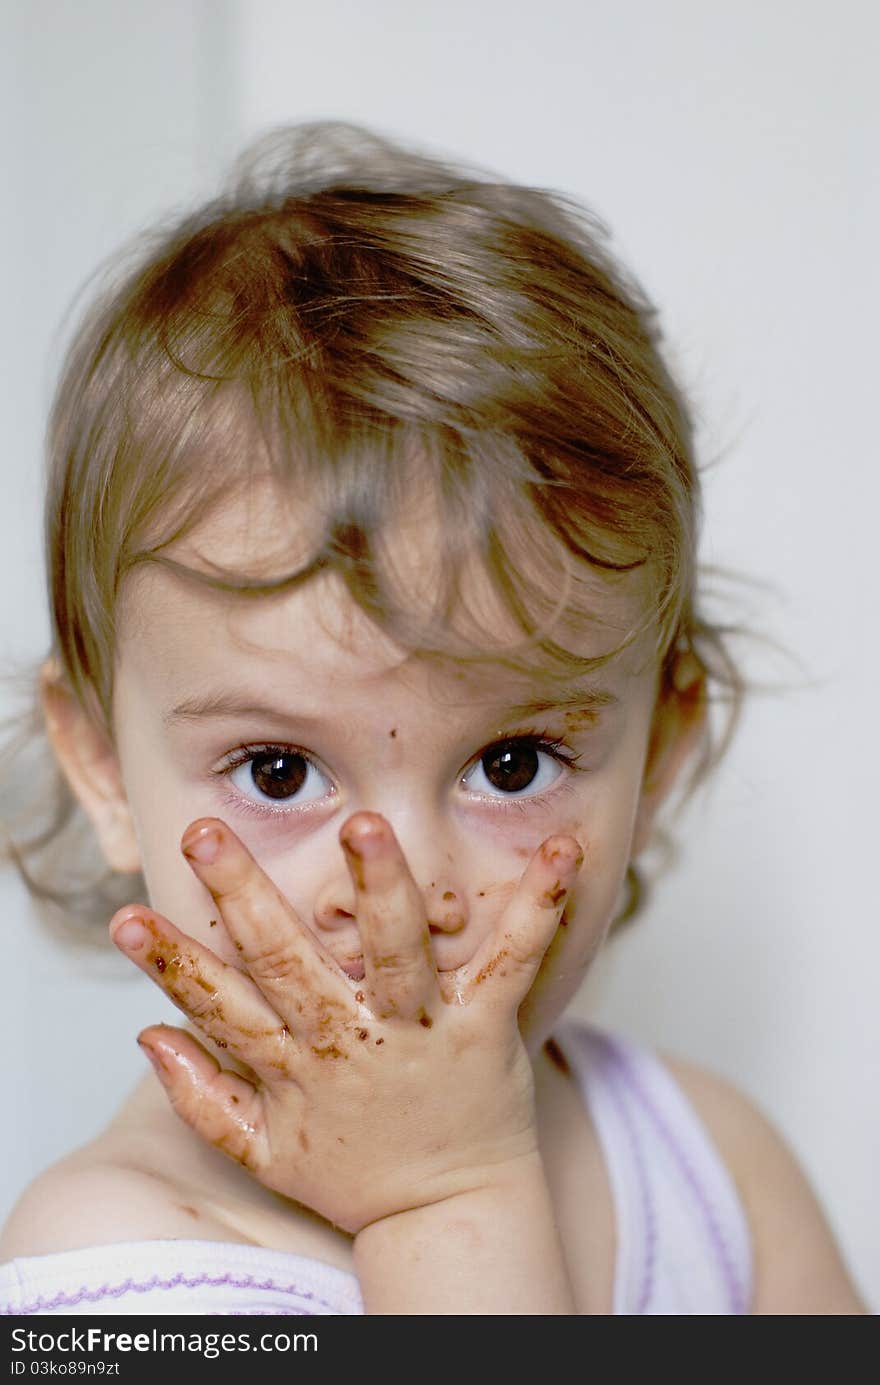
(284, 715)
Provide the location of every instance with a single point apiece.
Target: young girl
(372, 523)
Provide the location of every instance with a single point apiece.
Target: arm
(798, 1267)
(494, 1251)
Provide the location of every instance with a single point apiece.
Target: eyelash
(555, 746)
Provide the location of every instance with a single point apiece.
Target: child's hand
(370, 1097)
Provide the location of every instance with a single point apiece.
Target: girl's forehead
(314, 652)
(264, 535)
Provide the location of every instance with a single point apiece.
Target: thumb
(222, 1108)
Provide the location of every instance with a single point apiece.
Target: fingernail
(130, 933)
(203, 846)
(562, 858)
(155, 1057)
(369, 843)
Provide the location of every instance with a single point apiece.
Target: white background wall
(729, 146)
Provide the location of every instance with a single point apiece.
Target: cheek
(582, 930)
(586, 919)
(176, 893)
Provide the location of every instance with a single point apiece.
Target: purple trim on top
(130, 1286)
(649, 1214)
(736, 1290)
(266, 1313)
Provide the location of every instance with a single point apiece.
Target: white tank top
(683, 1244)
(683, 1241)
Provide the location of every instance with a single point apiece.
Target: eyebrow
(588, 700)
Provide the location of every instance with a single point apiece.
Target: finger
(218, 1105)
(562, 970)
(220, 999)
(282, 955)
(400, 976)
(507, 963)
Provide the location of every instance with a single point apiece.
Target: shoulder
(798, 1268)
(90, 1199)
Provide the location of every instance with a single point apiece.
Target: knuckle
(252, 1156)
(189, 1107)
(186, 984)
(201, 1007)
(235, 888)
(209, 1115)
(398, 991)
(234, 1139)
(396, 959)
(519, 950)
(276, 960)
(400, 969)
(254, 902)
(241, 1142)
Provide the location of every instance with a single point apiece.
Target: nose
(446, 911)
(429, 857)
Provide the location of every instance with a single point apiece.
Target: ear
(679, 721)
(91, 768)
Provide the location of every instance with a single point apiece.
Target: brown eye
(511, 768)
(279, 776)
(275, 773)
(523, 766)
